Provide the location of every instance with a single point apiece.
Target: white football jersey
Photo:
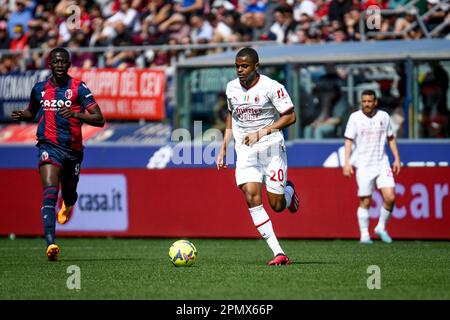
(369, 136)
(257, 107)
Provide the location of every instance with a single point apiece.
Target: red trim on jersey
(75, 124)
(93, 104)
(256, 82)
(50, 130)
(287, 110)
(259, 225)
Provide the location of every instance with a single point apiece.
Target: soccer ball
(182, 253)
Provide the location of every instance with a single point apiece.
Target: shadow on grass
(313, 262)
(100, 259)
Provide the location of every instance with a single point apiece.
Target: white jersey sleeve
(280, 98)
(389, 130)
(350, 129)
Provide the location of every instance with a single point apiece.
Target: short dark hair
(247, 51)
(369, 92)
(60, 50)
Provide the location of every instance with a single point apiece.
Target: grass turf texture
(225, 269)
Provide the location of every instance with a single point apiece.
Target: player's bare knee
(277, 203)
(278, 206)
(253, 200)
(390, 199)
(364, 202)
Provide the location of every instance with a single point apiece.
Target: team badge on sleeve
(44, 156)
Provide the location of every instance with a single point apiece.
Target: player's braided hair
(247, 51)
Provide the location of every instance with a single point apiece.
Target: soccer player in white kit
(369, 128)
(258, 109)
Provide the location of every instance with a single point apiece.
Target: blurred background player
(61, 102)
(254, 103)
(369, 128)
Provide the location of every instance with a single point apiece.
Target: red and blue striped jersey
(46, 99)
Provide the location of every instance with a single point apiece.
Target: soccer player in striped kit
(370, 128)
(258, 109)
(61, 102)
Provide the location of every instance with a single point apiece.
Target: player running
(254, 103)
(61, 102)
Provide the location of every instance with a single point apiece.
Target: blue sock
(50, 196)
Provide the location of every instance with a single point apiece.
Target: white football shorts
(366, 179)
(264, 163)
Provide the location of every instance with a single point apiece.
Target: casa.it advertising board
(206, 203)
(102, 204)
(126, 94)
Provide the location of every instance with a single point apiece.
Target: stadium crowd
(29, 24)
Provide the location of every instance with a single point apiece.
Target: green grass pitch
(225, 269)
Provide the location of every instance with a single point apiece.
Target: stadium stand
(158, 34)
(35, 24)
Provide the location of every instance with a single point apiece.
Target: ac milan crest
(257, 99)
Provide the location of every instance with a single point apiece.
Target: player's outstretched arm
(347, 169)
(93, 118)
(220, 160)
(393, 145)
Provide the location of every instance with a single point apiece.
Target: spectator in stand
(439, 16)
(21, 16)
(37, 39)
(304, 7)
(351, 25)
(106, 7)
(221, 31)
(403, 25)
(80, 59)
(201, 32)
(157, 12)
(332, 103)
(240, 31)
(338, 9)
(121, 59)
(221, 7)
(254, 15)
(19, 38)
(322, 10)
(387, 25)
(4, 37)
(37, 34)
(189, 7)
(8, 64)
(279, 27)
(381, 4)
(434, 117)
(126, 16)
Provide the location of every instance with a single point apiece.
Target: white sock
(288, 194)
(384, 217)
(363, 221)
(263, 224)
